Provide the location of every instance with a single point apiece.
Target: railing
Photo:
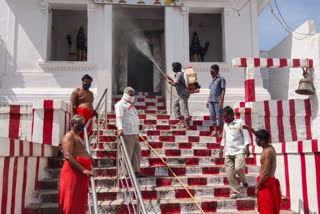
(88, 142)
(124, 169)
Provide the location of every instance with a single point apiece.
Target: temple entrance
(130, 66)
(140, 70)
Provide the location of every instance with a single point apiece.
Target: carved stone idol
(81, 44)
(197, 52)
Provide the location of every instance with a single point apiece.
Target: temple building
(49, 44)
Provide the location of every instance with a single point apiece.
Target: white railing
(88, 147)
(126, 178)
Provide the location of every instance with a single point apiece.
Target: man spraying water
(181, 103)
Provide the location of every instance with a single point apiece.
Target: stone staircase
(192, 154)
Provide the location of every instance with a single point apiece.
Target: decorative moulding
(66, 66)
(205, 66)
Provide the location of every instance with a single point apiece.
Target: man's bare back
(82, 98)
(268, 164)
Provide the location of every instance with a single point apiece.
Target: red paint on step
(156, 145)
(185, 145)
(244, 205)
(148, 171)
(210, 170)
(178, 133)
(149, 195)
(153, 133)
(161, 182)
(170, 208)
(145, 153)
(193, 139)
(197, 181)
(209, 206)
(191, 161)
(219, 161)
(167, 138)
(150, 122)
(213, 146)
(173, 152)
(221, 192)
(182, 193)
(202, 152)
(177, 171)
(156, 162)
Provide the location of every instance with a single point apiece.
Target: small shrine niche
(69, 35)
(205, 33)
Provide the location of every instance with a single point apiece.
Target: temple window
(205, 33)
(69, 33)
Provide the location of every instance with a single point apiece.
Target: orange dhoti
(73, 188)
(86, 114)
(269, 196)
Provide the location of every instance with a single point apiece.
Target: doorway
(140, 70)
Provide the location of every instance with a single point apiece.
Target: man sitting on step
(81, 101)
(235, 145)
(128, 126)
(267, 187)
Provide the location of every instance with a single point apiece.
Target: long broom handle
(174, 174)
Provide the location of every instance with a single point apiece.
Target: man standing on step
(75, 172)
(217, 89)
(81, 101)
(235, 146)
(267, 187)
(128, 126)
(181, 103)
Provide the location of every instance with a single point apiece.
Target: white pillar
(103, 50)
(175, 47)
(226, 35)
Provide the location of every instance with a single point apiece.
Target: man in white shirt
(235, 145)
(128, 126)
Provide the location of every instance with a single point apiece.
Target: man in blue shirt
(217, 88)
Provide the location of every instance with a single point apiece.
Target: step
(151, 181)
(160, 145)
(158, 193)
(161, 116)
(178, 169)
(162, 152)
(169, 206)
(173, 139)
(110, 161)
(181, 132)
(118, 207)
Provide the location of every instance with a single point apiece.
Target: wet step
(110, 161)
(160, 145)
(151, 181)
(178, 169)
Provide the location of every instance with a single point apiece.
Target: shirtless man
(267, 187)
(81, 101)
(75, 172)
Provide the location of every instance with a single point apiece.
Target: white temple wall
(284, 82)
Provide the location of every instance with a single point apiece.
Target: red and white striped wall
(45, 121)
(28, 134)
(251, 63)
(298, 170)
(286, 120)
(22, 165)
(16, 121)
(50, 121)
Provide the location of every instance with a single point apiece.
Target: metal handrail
(122, 153)
(87, 143)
